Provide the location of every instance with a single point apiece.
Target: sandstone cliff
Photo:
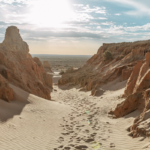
(19, 68)
(137, 94)
(98, 71)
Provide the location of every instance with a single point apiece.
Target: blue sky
(75, 26)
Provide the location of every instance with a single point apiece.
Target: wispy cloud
(117, 14)
(139, 8)
(87, 9)
(102, 18)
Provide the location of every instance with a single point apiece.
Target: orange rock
(6, 93)
(132, 80)
(130, 104)
(141, 124)
(147, 57)
(144, 76)
(139, 98)
(19, 68)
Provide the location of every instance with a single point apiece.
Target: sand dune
(73, 121)
(30, 122)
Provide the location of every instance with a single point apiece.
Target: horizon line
(59, 54)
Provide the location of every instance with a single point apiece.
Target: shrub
(61, 72)
(107, 55)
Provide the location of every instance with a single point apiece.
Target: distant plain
(63, 62)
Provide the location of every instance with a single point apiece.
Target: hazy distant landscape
(63, 62)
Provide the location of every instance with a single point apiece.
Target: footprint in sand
(89, 140)
(86, 131)
(61, 139)
(81, 147)
(67, 148)
(110, 131)
(104, 139)
(112, 145)
(93, 134)
(65, 133)
(61, 146)
(71, 145)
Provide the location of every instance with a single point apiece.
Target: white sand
(33, 123)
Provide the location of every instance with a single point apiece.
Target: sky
(75, 27)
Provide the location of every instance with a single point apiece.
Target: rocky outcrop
(138, 97)
(47, 66)
(130, 104)
(97, 71)
(141, 125)
(14, 42)
(133, 78)
(19, 68)
(6, 93)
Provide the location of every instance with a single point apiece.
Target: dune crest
(19, 68)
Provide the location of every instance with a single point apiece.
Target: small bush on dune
(107, 55)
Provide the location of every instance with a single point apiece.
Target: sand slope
(30, 122)
(74, 121)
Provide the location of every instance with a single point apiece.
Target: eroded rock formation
(138, 97)
(97, 71)
(19, 68)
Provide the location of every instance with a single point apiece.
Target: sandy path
(74, 120)
(105, 132)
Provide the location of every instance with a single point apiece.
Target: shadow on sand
(9, 109)
(99, 92)
(69, 86)
(133, 114)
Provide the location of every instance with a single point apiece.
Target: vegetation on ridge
(107, 55)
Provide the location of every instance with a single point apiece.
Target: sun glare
(50, 13)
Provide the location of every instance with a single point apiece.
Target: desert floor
(73, 120)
